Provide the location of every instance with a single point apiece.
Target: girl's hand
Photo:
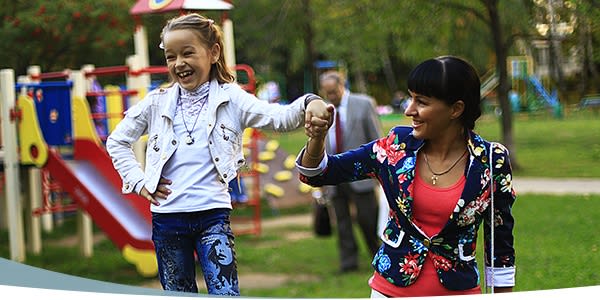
(318, 119)
(161, 191)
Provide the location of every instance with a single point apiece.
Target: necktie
(339, 142)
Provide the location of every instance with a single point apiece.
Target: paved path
(557, 185)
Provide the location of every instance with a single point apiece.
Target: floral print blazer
(391, 160)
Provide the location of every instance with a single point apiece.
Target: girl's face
(188, 60)
(431, 117)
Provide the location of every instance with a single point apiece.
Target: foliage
(64, 34)
(368, 36)
(269, 37)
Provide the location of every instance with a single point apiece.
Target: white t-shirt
(195, 184)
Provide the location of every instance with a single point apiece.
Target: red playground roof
(159, 6)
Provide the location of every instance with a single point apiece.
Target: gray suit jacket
(362, 126)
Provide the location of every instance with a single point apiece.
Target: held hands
(161, 191)
(317, 119)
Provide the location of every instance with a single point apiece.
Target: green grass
(107, 263)
(556, 239)
(544, 146)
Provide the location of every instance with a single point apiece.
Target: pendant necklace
(189, 139)
(435, 176)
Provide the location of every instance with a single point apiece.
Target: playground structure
(527, 93)
(55, 135)
(528, 89)
(47, 130)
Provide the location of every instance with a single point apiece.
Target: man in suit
(355, 123)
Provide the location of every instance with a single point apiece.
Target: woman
(438, 178)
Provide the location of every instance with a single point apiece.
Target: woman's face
(431, 117)
(223, 251)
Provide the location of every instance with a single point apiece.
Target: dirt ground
(292, 196)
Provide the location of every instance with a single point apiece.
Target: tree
(64, 34)
(588, 14)
(490, 15)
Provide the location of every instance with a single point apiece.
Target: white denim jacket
(230, 109)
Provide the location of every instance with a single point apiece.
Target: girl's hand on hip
(162, 191)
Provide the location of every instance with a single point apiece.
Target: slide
(92, 182)
(488, 85)
(89, 177)
(549, 99)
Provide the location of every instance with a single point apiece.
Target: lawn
(555, 249)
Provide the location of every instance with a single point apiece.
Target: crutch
(490, 289)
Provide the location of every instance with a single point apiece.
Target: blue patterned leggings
(177, 235)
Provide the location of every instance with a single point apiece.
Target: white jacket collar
(216, 96)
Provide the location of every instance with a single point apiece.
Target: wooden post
(11, 166)
(84, 221)
(228, 43)
(140, 83)
(85, 233)
(32, 222)
(33, 76)
(34, 228)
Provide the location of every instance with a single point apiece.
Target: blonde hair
(209, 34)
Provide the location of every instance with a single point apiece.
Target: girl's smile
(189, 61)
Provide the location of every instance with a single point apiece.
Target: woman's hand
(317, 119)
(161, 191)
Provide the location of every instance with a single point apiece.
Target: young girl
(194, 149)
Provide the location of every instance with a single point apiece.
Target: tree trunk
(582, 44)
(388, 70)
(556, 63)
(310, 53)
(360, 82)
(589, 53)
(503, 86)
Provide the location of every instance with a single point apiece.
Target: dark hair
(209, 34)
(449, 79)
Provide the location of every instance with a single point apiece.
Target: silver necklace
(189, 139)
(435, 176)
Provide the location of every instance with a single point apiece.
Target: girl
(441, 180)
(194, 149)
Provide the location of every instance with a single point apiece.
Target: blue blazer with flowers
(400, 259)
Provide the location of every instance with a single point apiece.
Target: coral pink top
(432, 208)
